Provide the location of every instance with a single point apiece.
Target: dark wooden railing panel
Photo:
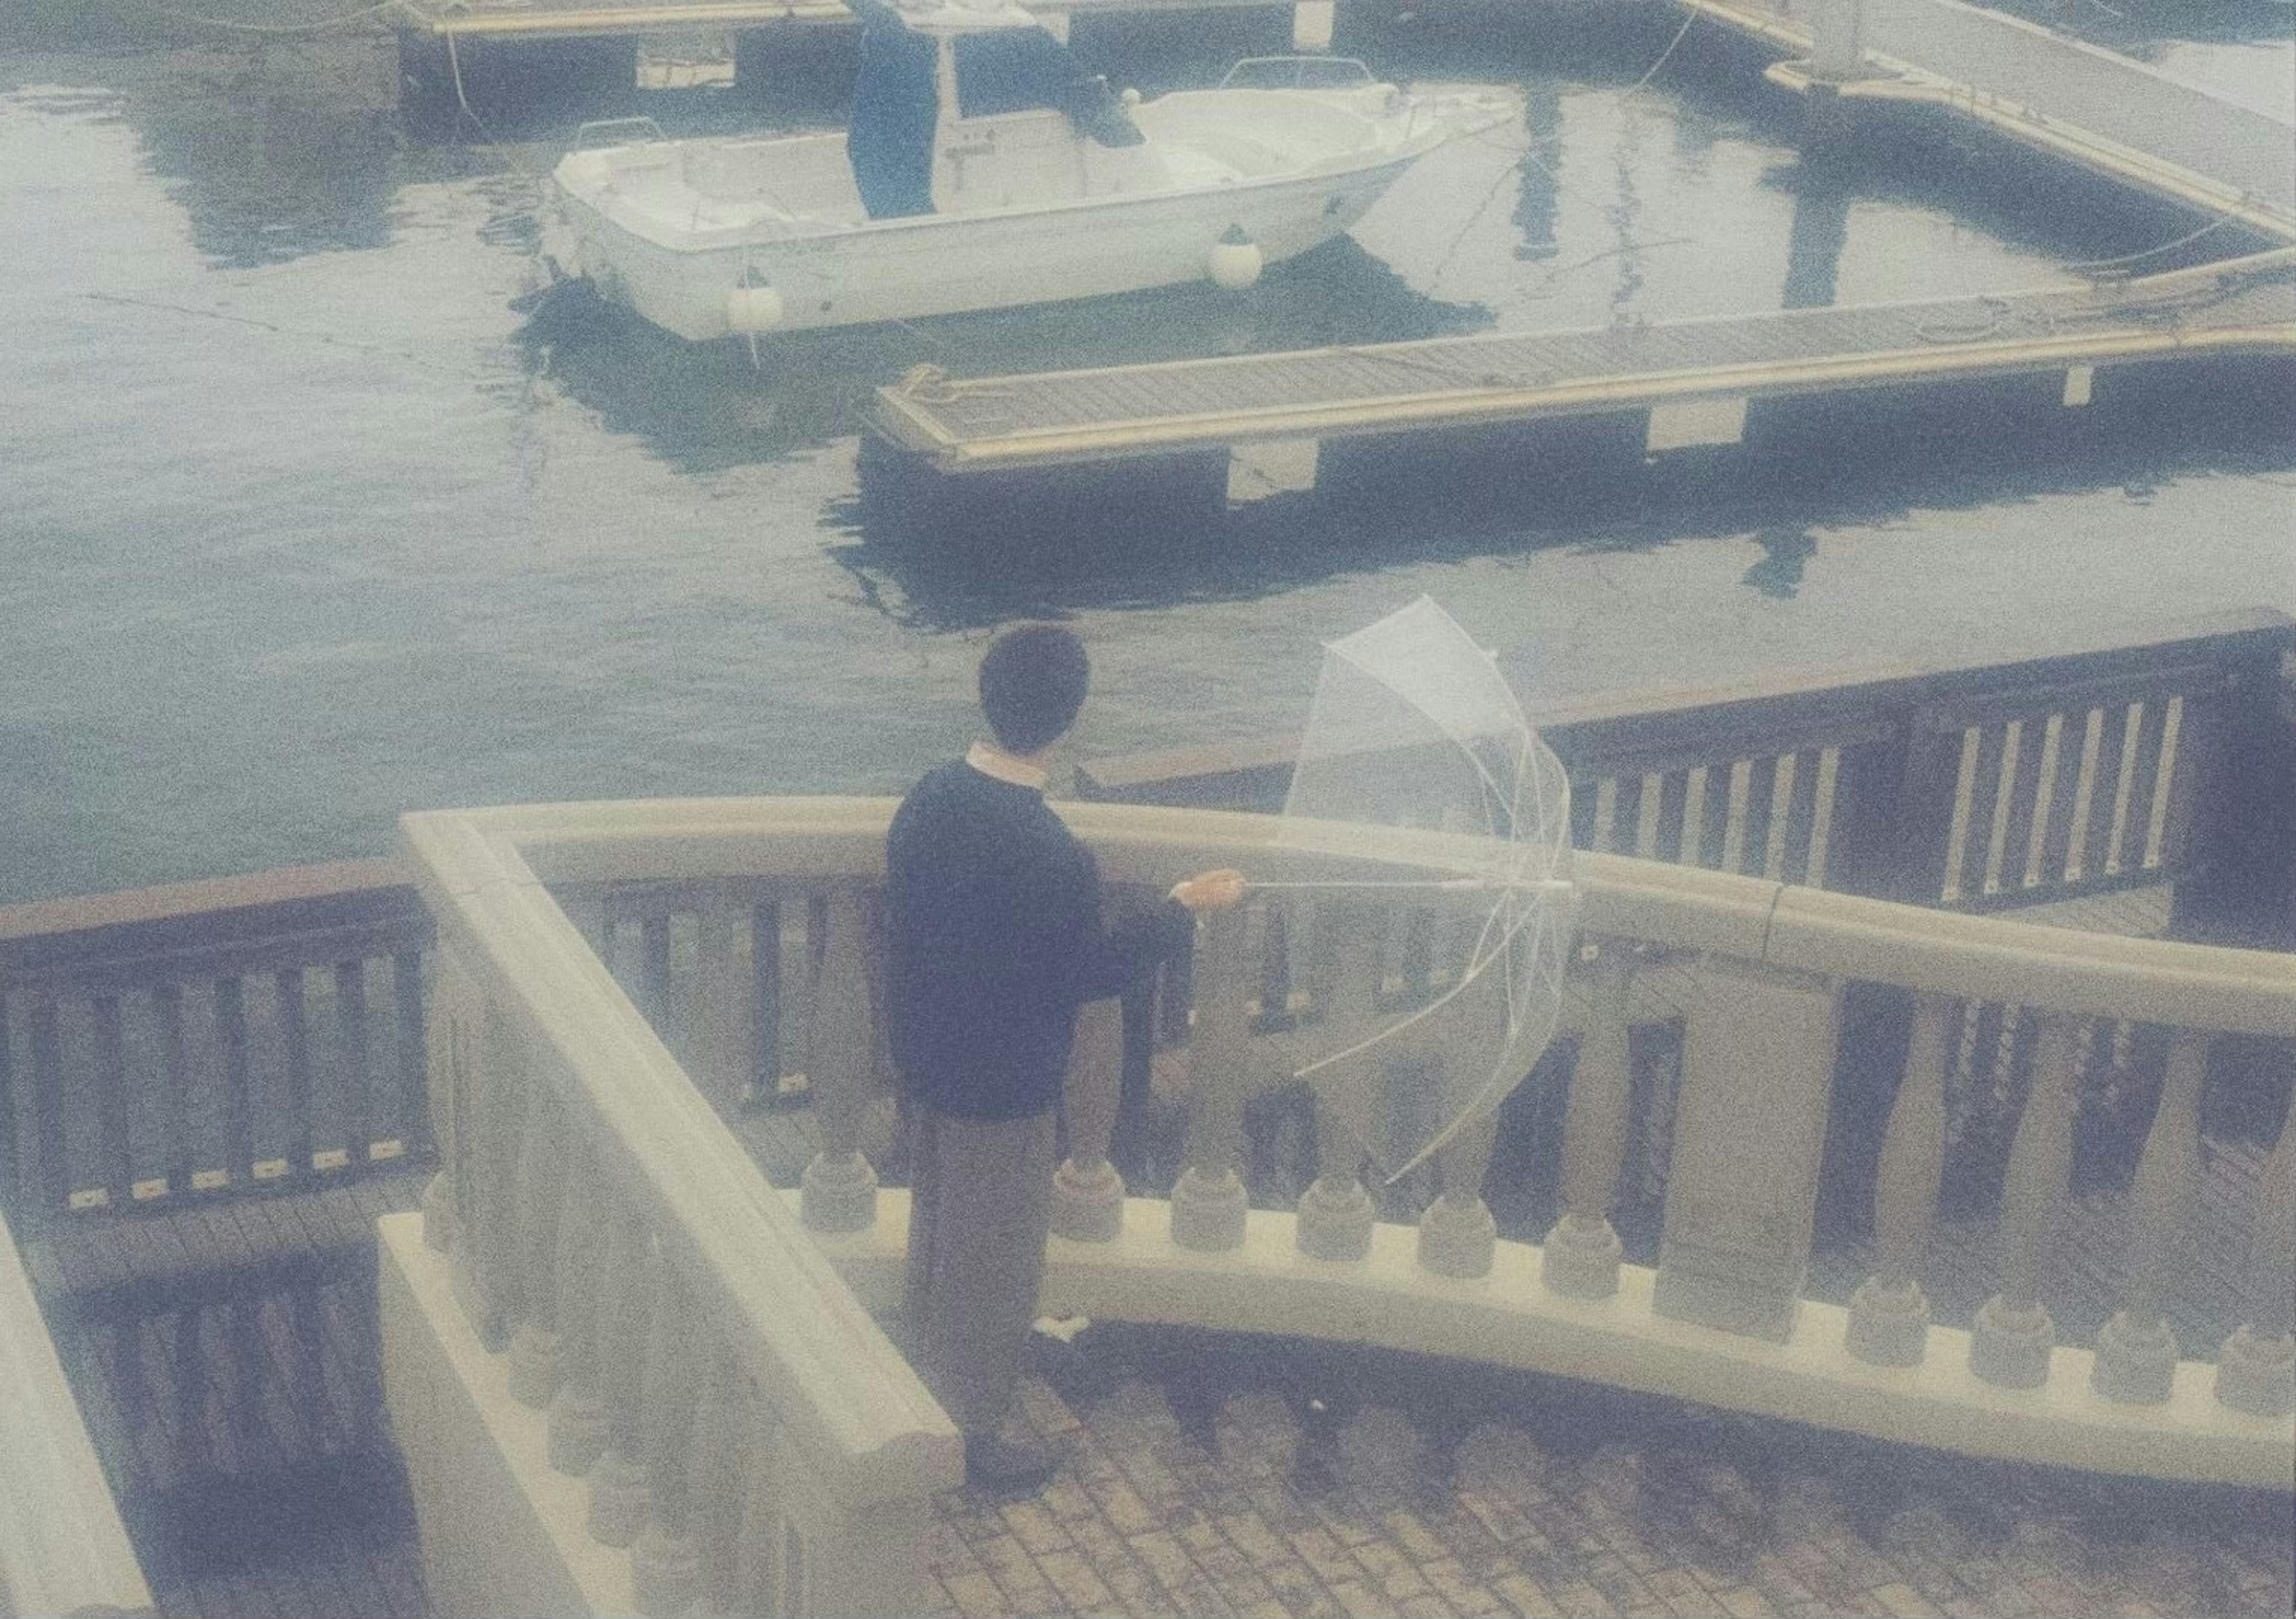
(1924, 796)
(208, 1037)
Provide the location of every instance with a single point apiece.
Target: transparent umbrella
(1414, 725)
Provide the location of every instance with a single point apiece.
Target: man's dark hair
(1032, 682)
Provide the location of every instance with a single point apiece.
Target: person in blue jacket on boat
(995, 937)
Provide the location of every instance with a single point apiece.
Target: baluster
(1457, 1236)
(10, 1176)
(1336, 1212)
(294, 1024)
(766, 971)
(48, 1144)
(415, 1117)
(578, 1412)
(621, 1494)
(840, 1188)
(587, 909)
(2012, 1336)
(175, 1103)
(443, 1037)
(1582, 1253)
(238, 1116)
(116, 1172)
(351, 1060)
(534, 1347)
(653, 968)
(1088, 1192)
(1889, 1315)
(758, 1546)
(725, 1045)
(2256, 1369)
(2137, 1352)
(717, 1484)
(665, 1564)
(1207, 1201)
(491, 1085)
(1276, 972)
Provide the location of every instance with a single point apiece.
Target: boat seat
(719, 175)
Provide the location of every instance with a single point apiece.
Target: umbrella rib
(1397, 1027)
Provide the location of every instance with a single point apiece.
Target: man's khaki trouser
(979, 1204)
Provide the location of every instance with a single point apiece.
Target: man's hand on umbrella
(1210, 890)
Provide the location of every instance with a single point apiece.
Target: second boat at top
(985, 170)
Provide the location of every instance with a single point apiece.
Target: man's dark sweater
(997, 939)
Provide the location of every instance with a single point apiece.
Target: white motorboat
(985, 170)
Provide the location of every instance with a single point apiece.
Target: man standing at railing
(995, 938)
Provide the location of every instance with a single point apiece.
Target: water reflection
(273, 151)
(378, 552)
(1778, 574)
(940, 552)
(1539, 202)
(1819, 233)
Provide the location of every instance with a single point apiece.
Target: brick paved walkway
(1219, 1476)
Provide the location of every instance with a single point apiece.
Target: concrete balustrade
(608, 1290)
(63, 1547)
(649, 1185)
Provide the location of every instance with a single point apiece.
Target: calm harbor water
(309, 515)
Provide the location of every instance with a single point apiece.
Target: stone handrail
(1719, 1319)
(692, 1347)
(63, 1547)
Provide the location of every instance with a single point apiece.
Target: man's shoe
(1019, 1466)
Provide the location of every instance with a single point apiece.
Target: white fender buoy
(750, 310)
(1234, 261)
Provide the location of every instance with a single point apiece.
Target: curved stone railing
(750, 922)
(740, 1424)
(63, 1548)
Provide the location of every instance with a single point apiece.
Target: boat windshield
(1022, 70)
(1297, 73)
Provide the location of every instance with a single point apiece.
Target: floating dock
(2076, 100)
(536, 19)
(542, 20)
(1694, 376)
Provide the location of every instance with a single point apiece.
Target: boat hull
(934, 265)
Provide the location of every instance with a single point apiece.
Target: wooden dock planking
(539, 20)
(223, 1347)
(1056, 418)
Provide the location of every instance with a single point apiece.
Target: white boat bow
(984, 169)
